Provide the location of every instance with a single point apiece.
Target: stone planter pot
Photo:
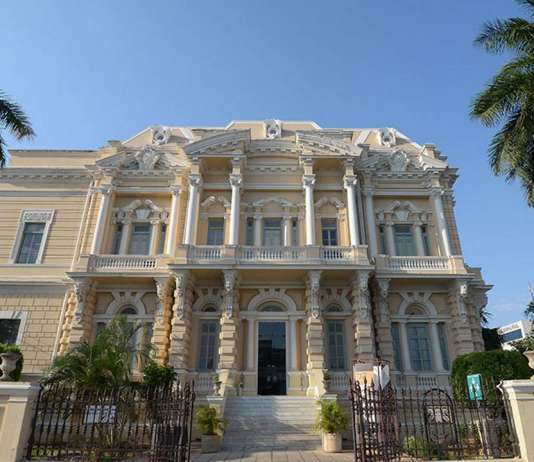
(8, 365)
(530, 356)
(210, 443)
(332, 442)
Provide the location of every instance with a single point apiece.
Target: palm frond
(529, 4)
(3, 153)
(14, 119)
(512, 34)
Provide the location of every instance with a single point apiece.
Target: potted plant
(528, 345)
(216, 384)
(331, 422)
(210, 426)
(326, 380)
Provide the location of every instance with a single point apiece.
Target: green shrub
(526, 344)
(208, 421)
(157, 375)
(494, 366)
(331, 418)
(415, 446)
(12, 348)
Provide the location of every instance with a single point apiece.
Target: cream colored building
(268, 251)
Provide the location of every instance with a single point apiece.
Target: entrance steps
(270, 422)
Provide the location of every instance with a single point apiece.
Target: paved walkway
(273, 456)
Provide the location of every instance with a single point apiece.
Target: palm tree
(12, 118)
(508, 100)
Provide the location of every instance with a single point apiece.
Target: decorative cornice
(219, 140)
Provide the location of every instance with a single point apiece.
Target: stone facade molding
(273, 295)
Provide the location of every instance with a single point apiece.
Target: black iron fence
(390, 424)
(130, 422)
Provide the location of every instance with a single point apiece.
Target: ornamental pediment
(146, 159)
(400, 161)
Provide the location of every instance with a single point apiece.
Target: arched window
(128, 310)
(271, 308)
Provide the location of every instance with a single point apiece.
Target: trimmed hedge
(494, 366)
(10, 348)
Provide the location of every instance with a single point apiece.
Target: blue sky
(87, 72)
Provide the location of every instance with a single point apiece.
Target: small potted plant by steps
(331, 422)
(528, 345)
(210, 426)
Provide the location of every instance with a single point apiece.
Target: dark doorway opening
(272, 358)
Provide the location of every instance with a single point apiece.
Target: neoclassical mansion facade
(268, 252)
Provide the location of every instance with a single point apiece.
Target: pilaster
(314, 336)
(162, 320)
(364, 347)
(383, 321)
(463, 340)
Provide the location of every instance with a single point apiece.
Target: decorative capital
(383, 287)
(175, 190)
(436, 192)
(195, 180)
(236, 180)
(308, 181)
(349, 181)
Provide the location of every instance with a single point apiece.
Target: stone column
(364, 345)
(463, 340)
(437, 358)
(383, 328)
(250, 344)
(101, 221)
(181, 324)
(390, 238)
(371, 224)
(308, 182)
(235, 183)
(349, 182)
(287, 225)
(443, 232)
(293, 344)
(162, 320)
(229, 335)
(155, 236)
(172, 230)
(195, 181)
(125, 236)
(405, 347)
(418, 237)
(78, 323)
(314, 336)
(258, 230)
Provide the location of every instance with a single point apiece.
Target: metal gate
(120, 424)
(390, 424)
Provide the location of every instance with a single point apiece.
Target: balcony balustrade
(425, 265)
(113, 263)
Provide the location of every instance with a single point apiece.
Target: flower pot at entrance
(332, 442)
(210, 443)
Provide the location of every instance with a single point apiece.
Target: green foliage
(508, 101)
(331, 418)
(494, 366)
(415, 446)
(492, 339)
(12, 118)
(529, 311)
(11, 348)
(208, 422)
(157, 375)
(526, 344)
(106, 363)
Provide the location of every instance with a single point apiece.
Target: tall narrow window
(329, 231)
(250, 231)
(419, 344)
(336, 344)
(404, 242)
(426, 241)
(272, 232)
(397, 352)
(115, 247)
(215, 231)
(30, 245)
(140, 239)
(294, 232)
(444, 345)
(208, 345)
(382, 233)
(162, 238)
(9, 330)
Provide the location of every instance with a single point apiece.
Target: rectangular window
(250, 231)
(272, 232)
(512, 335)
(30, 245)
(115, 248)
(404, 242)
(294, 232)
(162, 237)
(336, 345)
(444, 345)
(209, 335)
(419, 344)
(140, 239)
(9, 330)
(382, 233)
(397, 352)
(426, 241)
(215, 231)
(329, 231)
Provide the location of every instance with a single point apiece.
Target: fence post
(519, 396)
(16, 414)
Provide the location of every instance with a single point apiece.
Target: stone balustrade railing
(113, 263)
(427, 264)
(423, 380)
(339, 381)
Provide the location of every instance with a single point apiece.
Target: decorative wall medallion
(387, 137)
(399, 161)
(273, 129)
(160, 135)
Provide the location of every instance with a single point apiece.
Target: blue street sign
(474, 385)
